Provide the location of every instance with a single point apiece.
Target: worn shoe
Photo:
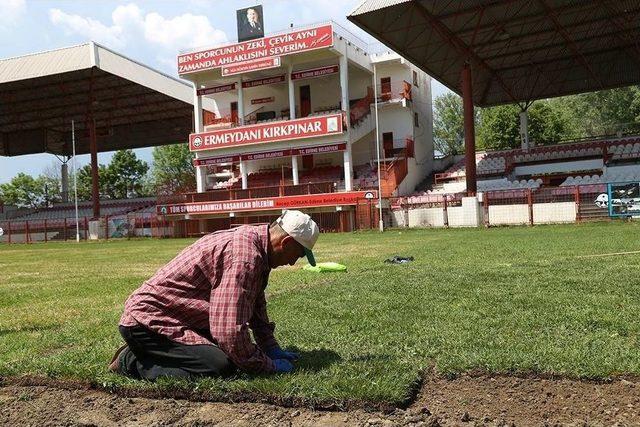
(114, 365)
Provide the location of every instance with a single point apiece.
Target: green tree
(85, 182)
(548, 123)
(448, 124)
(606, 112)
(173, 170)
(124, 175)
(499, 129)
(123, 178)
(28, 192)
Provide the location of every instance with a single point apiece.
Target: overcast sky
(151, 32)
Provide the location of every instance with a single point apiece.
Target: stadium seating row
(609, 175)
(108, 207)
(558, 154)
(624, 151)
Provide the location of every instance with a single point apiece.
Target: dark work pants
(150, 355)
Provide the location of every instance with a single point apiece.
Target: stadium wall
(495, 209)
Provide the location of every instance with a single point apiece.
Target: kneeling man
(193, 317)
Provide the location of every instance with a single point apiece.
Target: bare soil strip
(467, 400)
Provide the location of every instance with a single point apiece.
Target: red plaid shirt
(213, 291)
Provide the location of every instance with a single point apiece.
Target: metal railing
(249, 193)
(64, 229)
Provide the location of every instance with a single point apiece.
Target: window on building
(416, 122)
(415, 78)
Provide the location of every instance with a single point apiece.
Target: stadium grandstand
(514, 52)
(115, 103)
(301, 131)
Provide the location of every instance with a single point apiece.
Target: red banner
(245, 67)
(267, 47)
(216, 89)
(269, 203)
(319, 150)
(307, 127)
(265, 81)
(314, 72)
(272, 154)
(263, 100)
(268, 155)
(216, 160)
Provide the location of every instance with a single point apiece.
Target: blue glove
(278, 353)
(283, 365)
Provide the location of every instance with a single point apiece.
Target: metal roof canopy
(133, 106)
(518, 50)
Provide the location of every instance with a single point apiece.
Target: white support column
(294, 169)
(240, 102)
(198, 126)
(524, 130)
(292, 93)
(344, 101)
(243, 173)
(348, 170)
(201, 179)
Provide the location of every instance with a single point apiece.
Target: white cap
(302, 228)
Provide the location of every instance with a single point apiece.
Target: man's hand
(278, 353)
(283, 365)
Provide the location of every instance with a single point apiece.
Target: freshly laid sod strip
(498, 300)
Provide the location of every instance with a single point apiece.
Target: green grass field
(498, 300)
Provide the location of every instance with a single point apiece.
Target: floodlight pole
(75, 178)
(375, 107)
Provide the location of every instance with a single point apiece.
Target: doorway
(387, 144)
(234, 112)
(305, 100)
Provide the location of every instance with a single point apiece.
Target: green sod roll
(324, 267)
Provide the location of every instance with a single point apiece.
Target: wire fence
(494, 208)
(107, 227)
(151, 225)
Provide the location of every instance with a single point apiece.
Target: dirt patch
(468, 400)
(508, 400)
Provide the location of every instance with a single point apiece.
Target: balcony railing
(227, 119)
(399, 147)
(250, 193)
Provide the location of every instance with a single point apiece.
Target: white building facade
(293, 119)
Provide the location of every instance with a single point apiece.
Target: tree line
(587, 115)
(124, 177)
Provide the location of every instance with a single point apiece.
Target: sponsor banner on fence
(265, 81)
(267, 47)
(216, 89)
(272, 154)
(265, 100)
(245, 67)
(314, 72)
(268, 203)
(307, 127)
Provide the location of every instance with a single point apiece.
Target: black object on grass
(399, 260)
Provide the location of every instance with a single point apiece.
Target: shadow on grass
(316, 360)
(33, 328)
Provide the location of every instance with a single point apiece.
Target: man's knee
(209, 360)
